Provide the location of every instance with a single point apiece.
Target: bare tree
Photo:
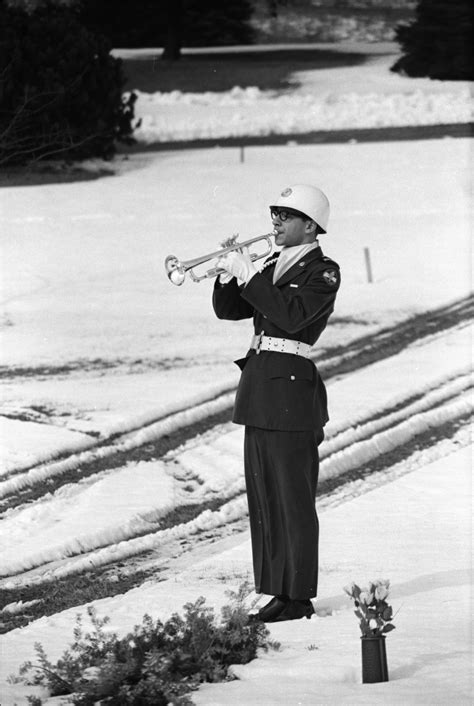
(19, 143)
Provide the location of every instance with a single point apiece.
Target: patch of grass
(60, 594)
(378, 465)
(337, 360)
(344, 320)
(71, 591)
(148, 452)
(78, 590)
(388, 341)
(186, 513)
(220, 70)
(90, 366)
(60, 172)
(312, 648)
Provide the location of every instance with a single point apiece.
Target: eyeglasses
(283, 214)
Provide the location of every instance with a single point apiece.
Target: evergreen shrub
(156, 664)
(60, 89)
(204, 22)
(217, 23)
(438, 43)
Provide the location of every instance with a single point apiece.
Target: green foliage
(144, 23)
(157, 664)
(125, 24)
(372, 609)
(217, 23)
(329, 20)
(438, 44)
(34, 701)
(60, 89)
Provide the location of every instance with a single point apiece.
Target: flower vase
(374, 659)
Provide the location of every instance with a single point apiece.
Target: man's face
(291, 229)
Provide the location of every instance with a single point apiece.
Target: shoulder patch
(330, 276)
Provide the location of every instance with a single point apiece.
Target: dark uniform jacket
(282, 390)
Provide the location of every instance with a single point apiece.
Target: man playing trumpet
(281, 398)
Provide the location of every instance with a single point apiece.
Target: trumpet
(177, 269)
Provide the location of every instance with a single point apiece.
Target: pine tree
(438, 44)
(169, 23)
(60, 88)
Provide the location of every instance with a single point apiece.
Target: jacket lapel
(299, 266)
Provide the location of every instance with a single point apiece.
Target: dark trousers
(281, 474)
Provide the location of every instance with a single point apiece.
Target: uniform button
(292, 377)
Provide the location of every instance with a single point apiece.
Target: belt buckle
(258, 347)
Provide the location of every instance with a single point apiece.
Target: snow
(123, 504)
(251, 112)
(83, 284)
(424, 548)
(414, 530)
(361, 96)
(142, 346)
(27, 443)
(117, 501)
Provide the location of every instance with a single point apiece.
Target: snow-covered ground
(361, 96)
(414, 530)
(122, 504)
(84, 281)
(96, 341)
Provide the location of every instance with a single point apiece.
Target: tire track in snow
(351, 450)
(155, 438)
(29, 599)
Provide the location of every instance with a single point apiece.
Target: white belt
(280, 345)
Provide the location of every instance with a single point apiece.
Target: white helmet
(308, 200)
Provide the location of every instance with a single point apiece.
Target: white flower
(366, 597)
(382, 582)
(349, 589)
(381, 592)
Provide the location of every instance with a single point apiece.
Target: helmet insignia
(287, 192)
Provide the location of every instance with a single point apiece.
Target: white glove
(238, 264)
(226, 277)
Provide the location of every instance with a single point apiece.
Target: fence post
(368, 265)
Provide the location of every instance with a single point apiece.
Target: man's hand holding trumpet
(237, 263)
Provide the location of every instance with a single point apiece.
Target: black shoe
(271, 610)
(294, 610)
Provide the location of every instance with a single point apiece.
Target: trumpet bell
(175, 271)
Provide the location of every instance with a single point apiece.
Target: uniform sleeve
(228, 303)
(294, 311)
